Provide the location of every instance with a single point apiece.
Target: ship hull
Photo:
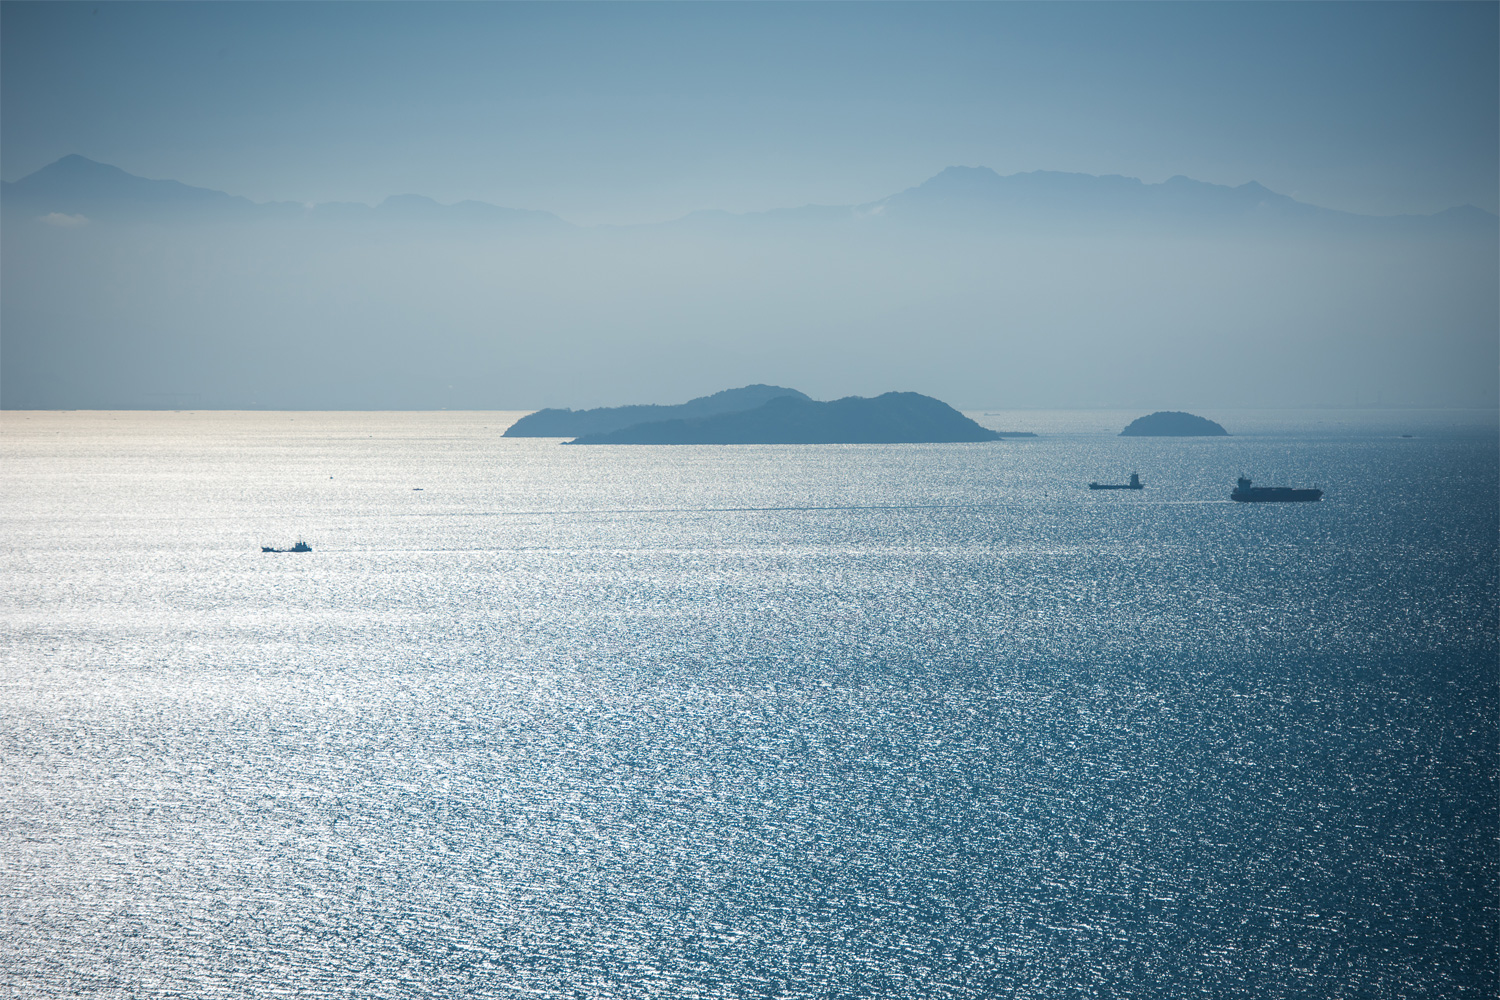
(1275, 494)
(1114, 486)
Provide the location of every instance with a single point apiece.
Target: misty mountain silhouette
(76, 185)
(1046, 192)
(979, 199)
(968, 197)
(571, 423)
(893, 418)
(121, 291)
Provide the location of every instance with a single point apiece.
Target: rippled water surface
(817, 721)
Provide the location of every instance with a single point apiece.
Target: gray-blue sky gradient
(640, 112)
(1037, 289)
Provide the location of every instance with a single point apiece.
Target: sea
(544, 721)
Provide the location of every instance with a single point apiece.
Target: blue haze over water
(817, 721)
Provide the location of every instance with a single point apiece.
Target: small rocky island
(896, 417)
(571, 423)
(1173, 423)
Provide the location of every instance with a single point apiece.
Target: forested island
(895, 417)
(571, 423)
(1173, 423)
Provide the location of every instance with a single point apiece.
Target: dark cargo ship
(1245, 493)
(1134, 484)
(301, 546)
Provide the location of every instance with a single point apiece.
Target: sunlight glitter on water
(859, 721)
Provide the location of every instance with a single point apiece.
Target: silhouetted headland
(894, 418)
(572, 423)
(1173, 423)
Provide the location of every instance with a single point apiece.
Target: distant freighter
(1134, 484)
(1245, 493)
(301, 546)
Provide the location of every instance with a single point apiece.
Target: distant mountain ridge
(77, 185)
(956, 196)
(124, 292)
(978, 197)
(1052, 189)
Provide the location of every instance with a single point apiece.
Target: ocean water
(813, 721)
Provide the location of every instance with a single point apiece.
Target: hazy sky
(641, 112)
